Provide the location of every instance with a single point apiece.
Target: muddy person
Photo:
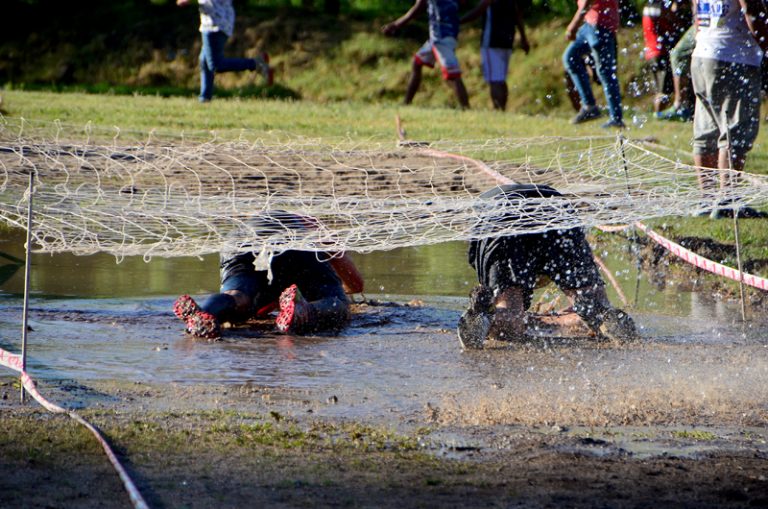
(510, 267)
(440, 48)
(217, 22)
(308, 289)
(501, 19)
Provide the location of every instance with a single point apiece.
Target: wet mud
(390, 412)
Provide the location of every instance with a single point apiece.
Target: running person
(217, 22)
(593, 31)
(509, 267)
(440, 48)
(308, 288)
(500, 20)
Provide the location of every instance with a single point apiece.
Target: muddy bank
(274, 451)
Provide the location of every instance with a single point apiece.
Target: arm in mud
(567, 320)
(391, 28)
(350, 276)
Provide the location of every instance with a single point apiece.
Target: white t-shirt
(723, 33)
(217, 16)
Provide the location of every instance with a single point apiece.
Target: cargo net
(149, 194)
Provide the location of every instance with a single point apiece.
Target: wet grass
(698, 435)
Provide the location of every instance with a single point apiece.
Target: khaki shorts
(733, 90)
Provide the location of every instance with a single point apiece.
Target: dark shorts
(564, 256)
(315, 279)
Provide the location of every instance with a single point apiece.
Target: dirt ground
(251, 446)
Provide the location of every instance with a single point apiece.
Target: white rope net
(147, 194)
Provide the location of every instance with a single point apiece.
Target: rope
(14, 362)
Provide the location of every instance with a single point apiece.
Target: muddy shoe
(475, 323)
(618, 326)
(184, 307)
(473, 329)
(294, 316)
(203, 325)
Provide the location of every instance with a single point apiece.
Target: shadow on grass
(276, 91)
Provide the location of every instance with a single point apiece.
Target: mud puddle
(401, 362)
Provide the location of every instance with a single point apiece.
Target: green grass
(698, 435)
(330, 120)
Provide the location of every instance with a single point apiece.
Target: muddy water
(697, 363)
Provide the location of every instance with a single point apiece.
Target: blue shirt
(443, 18)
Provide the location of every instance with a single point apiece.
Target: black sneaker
(618, 124)
(618, 326)
(586, 114)
(475, 323)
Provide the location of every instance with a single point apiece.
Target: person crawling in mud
(510, 267)
(309, 289)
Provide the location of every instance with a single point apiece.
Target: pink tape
(705, 263)
(13, 362)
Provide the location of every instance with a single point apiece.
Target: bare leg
(499, 94)
(509, 321)
(708, 180)
(413, 83)
(592, 305)
(457, 84)
(683, 92)
(573, 95)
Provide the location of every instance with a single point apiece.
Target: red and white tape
(705, 263)
(13, 362)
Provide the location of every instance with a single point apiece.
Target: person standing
(441, 46)
(680, 59)
(217, 22)
(662, 28)
(725, 70)
(593, 30)
(501, 18)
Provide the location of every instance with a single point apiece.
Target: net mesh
(147, 194)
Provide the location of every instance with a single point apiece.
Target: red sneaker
(185, 306)
(294, 311)
(203, 325)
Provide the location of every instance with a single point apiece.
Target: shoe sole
(287, 303)
(203, 325)
(185, 307)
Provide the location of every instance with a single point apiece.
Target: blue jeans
(212, 60)
(602, 44)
